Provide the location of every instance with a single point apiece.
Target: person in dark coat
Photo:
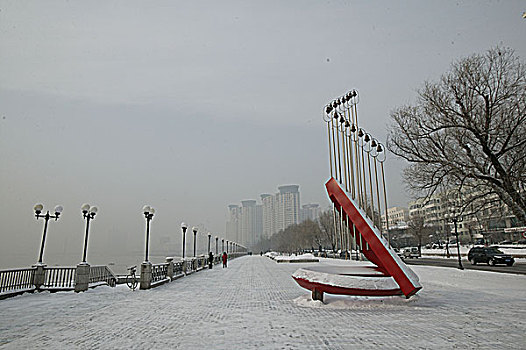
(225, 259)
(210, 260)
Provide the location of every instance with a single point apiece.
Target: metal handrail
(16, 279)
(101, 273)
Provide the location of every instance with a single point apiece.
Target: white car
(411, 253)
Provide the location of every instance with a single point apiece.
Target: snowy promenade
(255, 304)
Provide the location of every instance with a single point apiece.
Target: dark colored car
(491, 255)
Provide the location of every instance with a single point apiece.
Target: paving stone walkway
(255, 304)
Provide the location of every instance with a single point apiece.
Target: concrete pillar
(39, 275)
(185, 266)
(82, 277)
(317, 295)
(146, 275)
(170, 269)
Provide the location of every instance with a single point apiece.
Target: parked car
(411, 253)
(489, 255)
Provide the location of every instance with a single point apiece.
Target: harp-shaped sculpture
(354, 189)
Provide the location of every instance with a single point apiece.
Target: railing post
(146, 275)
(170, 268)
(82, 277)
(39, 275)
(185, 266)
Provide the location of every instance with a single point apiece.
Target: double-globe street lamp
(148, 215)
(88, 212)
(38, 210)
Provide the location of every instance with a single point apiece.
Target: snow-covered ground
(255, 304)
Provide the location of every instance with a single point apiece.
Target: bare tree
(419, 230)
(326, 223)
(468, 130)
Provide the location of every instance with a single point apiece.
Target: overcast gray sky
(193, 105)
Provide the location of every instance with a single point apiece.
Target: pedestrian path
(255, 304)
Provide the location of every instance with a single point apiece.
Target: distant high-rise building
(248, 222)
(268, 219)
(232, 225)
(310, 212)
(251, 222)
(287, 206)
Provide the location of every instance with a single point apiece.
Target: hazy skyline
(192, 106)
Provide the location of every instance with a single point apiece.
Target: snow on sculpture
(354, 189)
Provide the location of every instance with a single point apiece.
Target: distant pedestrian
(225, 259)
(210, 260)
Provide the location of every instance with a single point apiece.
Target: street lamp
(227, 247)
(184, 227)
(148, 215)
(217, 238)
(222, 244)
(88, 212)
(209, 236)
(456, 219)
(38, 209)
(194, 229)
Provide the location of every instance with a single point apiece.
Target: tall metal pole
(88, 218)
(147, 236)
(46, 219)
(184, 239)
(195, 236)
(458, 245)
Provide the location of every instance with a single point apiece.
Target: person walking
(225, 259)
(210, 260)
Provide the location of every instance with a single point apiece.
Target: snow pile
(296, 258)
(352, 302)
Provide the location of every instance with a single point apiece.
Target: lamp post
(227, 247)
(217, 238)
(194, 229)
(222, 244)
(455, 219)
(38, 210)
(209, 236)
(88, 212)
(183, 228)
(148, 215)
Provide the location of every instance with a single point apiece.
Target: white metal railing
(59, 277)
(101, 273)
(16, 279)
